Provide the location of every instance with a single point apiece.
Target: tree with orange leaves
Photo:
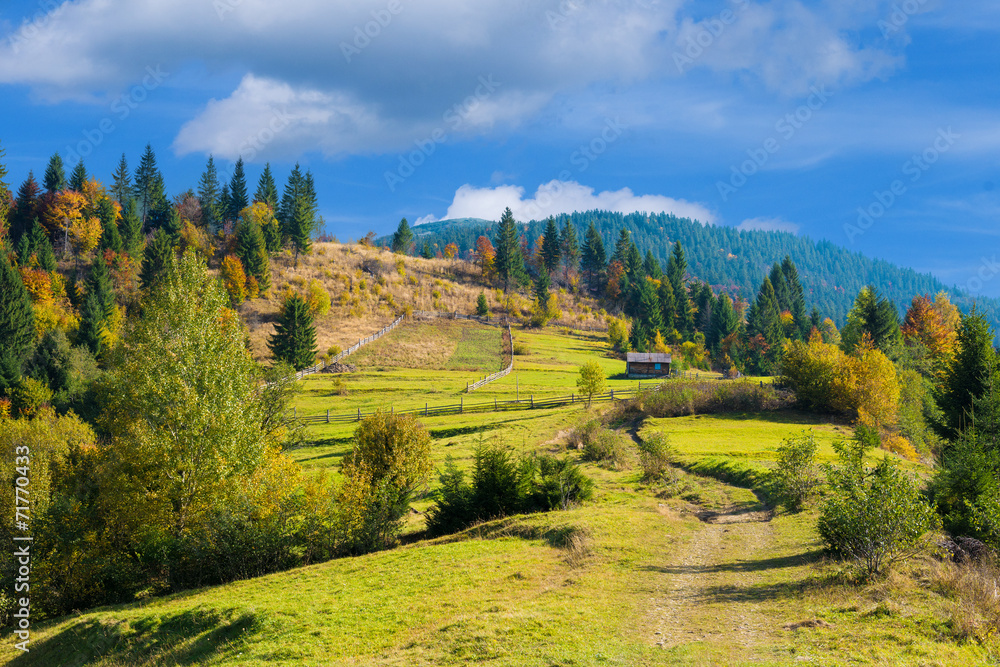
(486, 255)
(450, 251)
(933, 324)
(63, 210)
(615, 273)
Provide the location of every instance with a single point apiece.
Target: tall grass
(679, 398)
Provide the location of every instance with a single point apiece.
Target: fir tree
(482, 307)
(509, 259)
(78, 178)
(622, 248)
(569, 248)
(224, 204)
(208, 196)
(17, 325)
(156, 260)
(797, 299)
(968, 377)
(668, 308)
(294, 338)
(131, 229)
(25, 210)
(121, 183)
(294, 189)
(55, 175)
(425, 252)
(403, 238)
(594, 259)
(764, 320)
(651, 266)
(238, 198)
(267, 190)
(97, 307)
(550, 246)
(110, 237)
(301, 228)
(148, 186)
(541, 290)
(252, 251)
(676, 274)
(649, 307)
(877, 316)
(725, 322)
(42, 248)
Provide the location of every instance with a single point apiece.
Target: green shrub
(875, 517)
(601, 445)
(656, 457)
(794, 478)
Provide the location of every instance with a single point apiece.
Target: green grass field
(636, 576)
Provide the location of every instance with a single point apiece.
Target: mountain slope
(738, 260)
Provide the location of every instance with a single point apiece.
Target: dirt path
(706, 592)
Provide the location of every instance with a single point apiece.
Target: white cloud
(769, 225)
(352, 92)
(557, 197)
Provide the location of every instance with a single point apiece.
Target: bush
(874, 517)
(678, 398)
(794, 478)
(601, 445)
(502, 485)
(656, 457)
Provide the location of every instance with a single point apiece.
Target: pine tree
(148, 186)
(55, 175)
(594, 259)
(294, 338)
(110, 237)
(294, 189)
(301, 228)
(482, 307)
(121, 183)
(425, 252)
(238, 198)
(668, 308)
(509, 260)
(156, 260)
(651, 266)
(78, 178)
(17, 325)
(764, 320)
(252, 251)
(676, 273)
(649, 307)
(569, 248)
(131, 229)
(877, 316)
(403, 238)
(622, 247)
(797, 299)
(541, 290)
(26, 206)
(42, 247)
(550, 246)
(968, 377)
(208, 196)
(725, 322)
(267, 190)
(97, 308)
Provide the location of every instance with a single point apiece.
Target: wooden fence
(349, 351)
(499, 374)
(488, 406)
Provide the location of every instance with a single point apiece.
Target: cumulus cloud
(361, 76)
(769, 225)
(557, 197)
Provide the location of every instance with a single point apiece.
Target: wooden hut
(647, 364)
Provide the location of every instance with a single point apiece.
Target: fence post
(612, 394)
(461, 401)
(359, 414)
(425, 409)
(494, 404)
(532, 401)
(295, 413)
(328, 415)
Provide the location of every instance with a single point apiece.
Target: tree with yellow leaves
(868, 386)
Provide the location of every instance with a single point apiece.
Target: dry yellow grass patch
(370, 287)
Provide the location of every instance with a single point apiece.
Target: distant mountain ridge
(736, 260)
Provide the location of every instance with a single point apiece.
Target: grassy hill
(738, 260)
(692, 571)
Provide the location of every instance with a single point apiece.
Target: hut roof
(649, 358)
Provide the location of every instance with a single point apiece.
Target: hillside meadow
(693, 571)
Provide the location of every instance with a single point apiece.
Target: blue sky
(779, 114)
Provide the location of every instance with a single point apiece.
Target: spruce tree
(402, 239)
(294, 189)
(301, 228)
(26, 206)
(131, 229)
(17, 325)
(224, 204)
(55, 175)
(649, 307)
(877, 316)
(541, 291)
(594, 259)
(550, 246)
(968, 377)
(668, 308)
(42, 248)
(676, 274)
(208, 196)
(97, 308)
(725, 322)
(156, 260)
(569, 248)
(238, 198)
(252, 251)
(651, 266)
(110, 237)
(294, 337)
(121, 182)
(764, 320)
(267, 190)
(797, 299)
(148, 186)
(509, 259)
(622, 248)
(425, 252)
(78, 177)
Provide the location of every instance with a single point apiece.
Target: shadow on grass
(758, 565)
(187, 638)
